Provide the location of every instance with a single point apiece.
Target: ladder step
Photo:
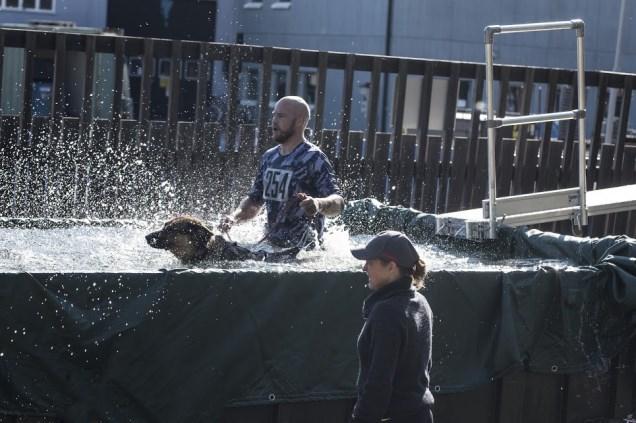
(536, 118)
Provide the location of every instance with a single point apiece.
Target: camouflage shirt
(280, 178)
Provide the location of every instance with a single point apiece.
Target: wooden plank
(231, 121)
(476, 405)
(504, 166)
(623, 124)
(397, 186)
(345, 117)
(294, 72)
(504, 85)
(448, 136)
(354, 185)
(432, 159)
(373, 101)
(547, 128)
(405, 169)
(9, 145)
(38, 166)
(98, 169)
(588, 397)
(622, 401)
(26, 115)
(175, 90)
(457, 175)
(254, 413)
(69, 156)
(247, 160)
(544, 398)
(512, 389)
(550, 169)
(595, 142)
(572, 133)
(58, 93)
(117, 91)
(549, 173)
(315, 411)
(522, 136)
(570, 178)
(145, 94)
(527, 173)
(480, 176)
(379, 165)
(86, 114)
(598, 224)
(422, 132)
(329, 144)
(183, 145)
(1, 73)
(264, 98)
(321, 89)
(398, 110)
(478, 95)
(203, 79)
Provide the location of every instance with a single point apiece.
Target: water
(123, 249)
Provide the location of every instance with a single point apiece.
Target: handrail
(494, 123)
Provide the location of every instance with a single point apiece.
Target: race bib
(276, 184)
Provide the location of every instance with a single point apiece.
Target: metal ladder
(546, 202)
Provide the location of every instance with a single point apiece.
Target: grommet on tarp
(271, 397)
(437, 388)
(554, 368)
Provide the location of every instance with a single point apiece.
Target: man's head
(290, 118)
(185, 237)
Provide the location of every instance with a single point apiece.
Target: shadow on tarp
(181, 345)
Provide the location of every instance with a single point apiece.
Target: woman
(394, 346)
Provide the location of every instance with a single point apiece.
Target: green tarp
(181, 345)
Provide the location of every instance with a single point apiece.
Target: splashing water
(123, 249)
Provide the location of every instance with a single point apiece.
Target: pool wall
(183, 345)
(539, 345)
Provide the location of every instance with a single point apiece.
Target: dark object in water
(191, 241)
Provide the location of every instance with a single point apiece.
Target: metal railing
(494, 123)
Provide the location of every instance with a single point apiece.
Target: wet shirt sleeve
(325, 177)
(384, 350)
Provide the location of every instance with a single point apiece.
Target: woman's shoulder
(391, 308)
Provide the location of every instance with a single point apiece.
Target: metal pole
(580, 62)
(387, 52)
(537, 26)
(611, 105)
(492, 177)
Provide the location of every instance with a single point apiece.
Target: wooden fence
(64, 165)
(82, 166)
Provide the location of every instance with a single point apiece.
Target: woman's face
(379, 273)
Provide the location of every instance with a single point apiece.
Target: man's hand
(226, 223)
(310, 205)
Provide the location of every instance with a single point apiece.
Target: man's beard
(283, 136)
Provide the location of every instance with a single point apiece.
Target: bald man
(295, 182)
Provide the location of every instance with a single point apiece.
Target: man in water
(295, 182)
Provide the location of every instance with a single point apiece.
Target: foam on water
(123, 249)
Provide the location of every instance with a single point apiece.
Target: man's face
(284, 122)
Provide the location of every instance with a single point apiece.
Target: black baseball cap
(389, 245)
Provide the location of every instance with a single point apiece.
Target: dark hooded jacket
(394, 349)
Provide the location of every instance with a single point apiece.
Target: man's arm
(246, 210)
(330, 205)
